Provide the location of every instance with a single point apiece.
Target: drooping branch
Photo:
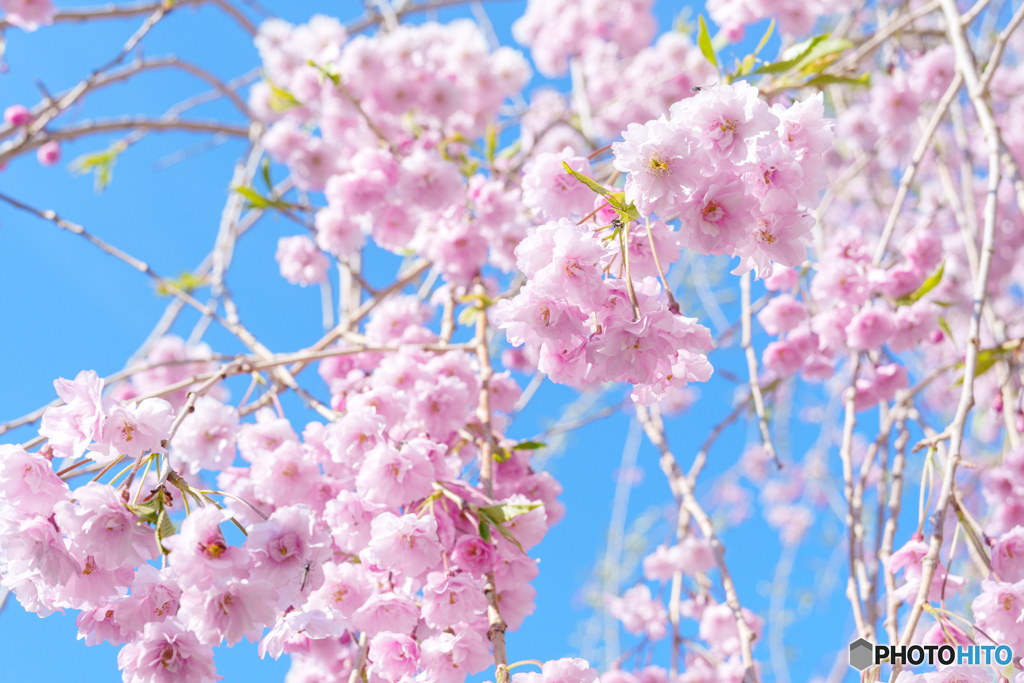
(965, 66)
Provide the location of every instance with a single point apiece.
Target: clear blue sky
(65, 307)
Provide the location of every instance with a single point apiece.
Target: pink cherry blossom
(207, 439)
(28, 15)
(133, 429)
(300, 260)
(98, 523)
(1008, 555)
(639, 612)
(448, 600)
(659, 160)
(394, 656)
(407, 543)
(70, 428)
(870, 328)
(200, 555)
(28, 482)
(166, 652)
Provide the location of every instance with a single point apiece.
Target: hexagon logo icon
(861, 654)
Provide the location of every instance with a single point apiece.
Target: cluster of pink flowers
(741, 176)
(583, 327)
(853, 306)
(366, 525)
(400, 179)
(369, 538)
(718, 658)
(622, 90)
(794, 18)
(559, 30)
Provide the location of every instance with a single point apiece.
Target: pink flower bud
(49, 153)
(17, 115)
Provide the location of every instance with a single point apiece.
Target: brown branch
(681, 484)
(965, 65)
(136, 123)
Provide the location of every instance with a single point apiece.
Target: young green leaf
(101, 164)
(266, 174)
(491, 142)
(949, 333)
(704, 42)
(828, 79)
(281, 100)
(255, 199)
(499, 514)
(164, 528)
(989, 357)
(792, 56)
(829, 47)
(186, 282)
(765, 37)
(927, 286)
(529, 446)
(589, 182)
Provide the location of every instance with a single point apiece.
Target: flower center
(657, 165)
(712, 211)
(214, 549)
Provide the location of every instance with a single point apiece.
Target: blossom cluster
(741, 176)
(387, 156)
(373, 542)
(366, 527)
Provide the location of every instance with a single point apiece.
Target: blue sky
(66, 307)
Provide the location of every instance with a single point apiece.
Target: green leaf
(469, 167)
(467, 316)
(164, 529)
(704, 42)
(499, 514)
(529, 446)
(508, 536)
(329, 72)
(485, 531)
(589, 182)
(266, 174)
(491, 142)
(949, 333)
(101, 164)
(792, 56)
(280, 99)
(501, 454)
(828, 79)
(511, 150)
(986, 359)
(927, 286)
(186, 282)
(743, 68)
(147, 512)
(989, 357)
(829, 47)
(765, 37)
(256, 200)
(629, 212)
